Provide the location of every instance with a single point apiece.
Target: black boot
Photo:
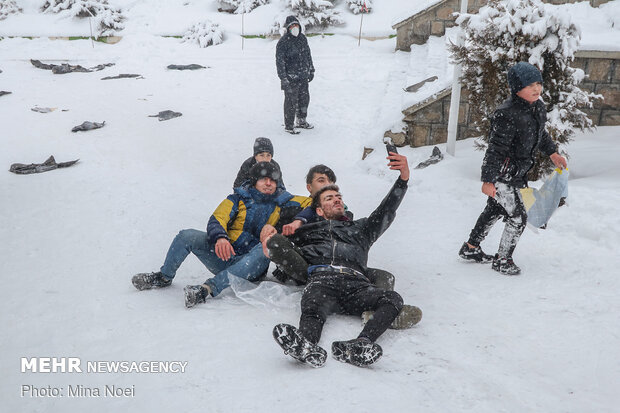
(297, 346)
(195, 294)
(505, 266)
(474, 254)
(146, 281)
(360, 352)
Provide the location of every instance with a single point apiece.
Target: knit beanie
(521, 75)
(263, 145)
(262, 170)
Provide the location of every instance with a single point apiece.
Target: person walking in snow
(517, 132)
(263, 152)
(295, 70)
(337, 250)
(231, 245)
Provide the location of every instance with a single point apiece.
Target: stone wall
(427, 121)
(433, 21)
(603, 77)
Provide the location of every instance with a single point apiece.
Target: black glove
(310, 76)
(285, 84)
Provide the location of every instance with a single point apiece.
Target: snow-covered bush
(107, 19)
(205, 34)
(8, 7)
(507, 32)
(310, 13)
(360, 6)
(242, 6)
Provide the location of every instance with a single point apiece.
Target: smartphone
(390, 148)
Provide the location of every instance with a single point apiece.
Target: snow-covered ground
(545, 341)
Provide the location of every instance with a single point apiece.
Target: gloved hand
(285, 84)
(310, 76)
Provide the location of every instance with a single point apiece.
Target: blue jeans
(248, 266)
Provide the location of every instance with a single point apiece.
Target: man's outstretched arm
(382, 217)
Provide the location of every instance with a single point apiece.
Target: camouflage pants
(508, 205)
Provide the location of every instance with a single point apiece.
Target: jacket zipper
(331, 236)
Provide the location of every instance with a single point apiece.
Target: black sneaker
(301, 123)
(474, 254)
(359, 352)
(146, 281)
(409, 316)
(505, 266)
(292, 131)
(298, 347)
(195, 294)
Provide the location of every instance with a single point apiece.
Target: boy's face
(263, 157)
(266, 186)
(531, 92)
(318, 182)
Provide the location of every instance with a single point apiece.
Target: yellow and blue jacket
(243, 214)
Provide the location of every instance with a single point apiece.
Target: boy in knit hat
(263, 152)
(517, 132)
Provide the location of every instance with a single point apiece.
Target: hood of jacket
(291, 20)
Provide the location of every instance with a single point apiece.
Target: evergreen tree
(360, 6)
(311, 13)
(506, 32)
(242, 6)
(8, 7)
(205, 34)
(108, 19)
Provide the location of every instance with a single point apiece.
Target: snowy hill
(546, 341)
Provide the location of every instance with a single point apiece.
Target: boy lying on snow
(336, 248)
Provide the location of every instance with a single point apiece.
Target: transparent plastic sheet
(540, 204)
(266, 294)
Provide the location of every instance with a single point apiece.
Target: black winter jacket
(293, 58)
(517, 132)
(346, 243)
(244, 173)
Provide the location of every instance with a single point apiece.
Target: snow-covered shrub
(8, 7)
(310, 13)
(242, 6)
(107, 19)
(360, 6)
(205, 34)
(507, 32)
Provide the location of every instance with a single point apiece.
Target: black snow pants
(296, 101)
(335, 293)
(509, 205)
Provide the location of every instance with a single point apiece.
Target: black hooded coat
(293, 58)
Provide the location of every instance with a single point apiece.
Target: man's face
(531, 92)
(332, 206)
(266, 186)
(263, 157)
(318, 182)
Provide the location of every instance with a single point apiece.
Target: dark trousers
(509, 205)
(296, 101)
(346, 294)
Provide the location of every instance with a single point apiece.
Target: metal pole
(455, 98)
(359, 37)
